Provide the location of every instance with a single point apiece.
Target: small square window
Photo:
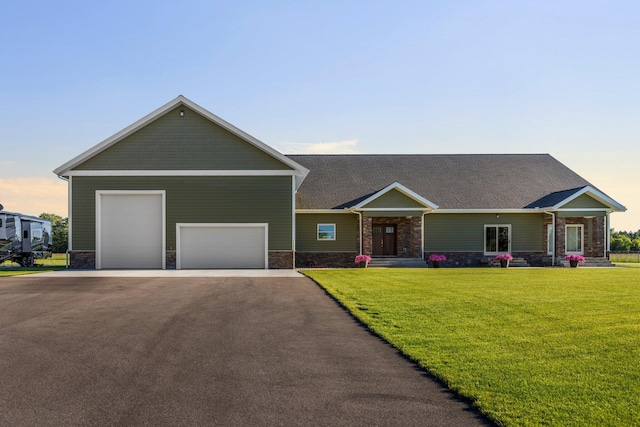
(326, 232)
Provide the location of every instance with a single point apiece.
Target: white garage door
(224, 246)
(130, 229)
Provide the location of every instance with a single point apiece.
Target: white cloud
(33, 196)
(334, 147)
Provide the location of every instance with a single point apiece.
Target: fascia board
(492, 211)
(176, 172)
(324, 211)
(404, 190)
(597, 195)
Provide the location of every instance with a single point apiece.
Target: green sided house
(182, 188)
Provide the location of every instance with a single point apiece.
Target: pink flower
(508, 257)
(362, 258)
(437, 258)
(578, 258)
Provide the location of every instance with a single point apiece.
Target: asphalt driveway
(201, 351)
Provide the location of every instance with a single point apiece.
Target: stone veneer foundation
(87, 259)
(325, 259)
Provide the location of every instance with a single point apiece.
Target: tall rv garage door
(226, 246)
(130, 229)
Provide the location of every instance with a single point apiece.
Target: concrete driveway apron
(229, 351)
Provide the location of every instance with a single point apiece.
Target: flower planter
(573, 263)
(436, 264)
(504, 263)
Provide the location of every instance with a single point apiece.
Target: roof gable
(397, 197)
(181, 136)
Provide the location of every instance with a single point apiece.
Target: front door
(384, 240)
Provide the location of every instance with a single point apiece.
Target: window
(549, 239)
(574, 235)
(497, 239)
(326, 232)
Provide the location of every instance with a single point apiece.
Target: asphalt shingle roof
(451, 181)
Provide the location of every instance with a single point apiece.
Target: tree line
(625, 241)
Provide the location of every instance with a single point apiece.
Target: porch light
(181, 113)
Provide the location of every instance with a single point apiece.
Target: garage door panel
(131, 228)
(222, 246)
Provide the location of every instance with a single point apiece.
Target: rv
(23, 238)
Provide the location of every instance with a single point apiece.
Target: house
(182, 188)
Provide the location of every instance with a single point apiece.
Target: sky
(399, 77)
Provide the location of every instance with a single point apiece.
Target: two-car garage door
(221, 245)
(130, 233)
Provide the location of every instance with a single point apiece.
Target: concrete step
(590, 262)
(515, 262)
(397, 263)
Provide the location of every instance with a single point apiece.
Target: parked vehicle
(24, 238)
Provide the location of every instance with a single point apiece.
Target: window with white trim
(574, 236)
(497, 239)
(326, 232)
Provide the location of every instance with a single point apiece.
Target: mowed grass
(527, 346)
(56, 262)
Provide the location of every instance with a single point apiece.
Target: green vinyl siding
(347, 233)
(256, 199)
(465, 232)
(584, 202)
(394, 199)
(572, 214)
(191, 142)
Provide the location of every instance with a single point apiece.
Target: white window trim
(325, 240)
(581, 251)
(484, 238)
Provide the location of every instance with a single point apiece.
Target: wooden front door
(384, 240)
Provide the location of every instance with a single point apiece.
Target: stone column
(367, 236)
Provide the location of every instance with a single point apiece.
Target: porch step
(590, 262)
(515, 262)
(397, 263)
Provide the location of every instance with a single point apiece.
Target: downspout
(553, 248)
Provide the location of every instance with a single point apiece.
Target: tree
(59, 231)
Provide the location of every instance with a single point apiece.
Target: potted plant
(362, 261)
(437, 259)
(574, 260)
(504, 259)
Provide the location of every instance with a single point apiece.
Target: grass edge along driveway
(526, 346)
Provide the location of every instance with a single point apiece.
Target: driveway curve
(268, 351)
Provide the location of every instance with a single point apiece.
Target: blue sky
(558, 77)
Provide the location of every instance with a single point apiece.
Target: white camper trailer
(23, 238)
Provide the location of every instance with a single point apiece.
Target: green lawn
(56, 262)
(527, 346)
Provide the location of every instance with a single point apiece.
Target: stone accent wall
(367, 237)
(82, 260)
(280, 259)
(170, 260)
(560, 237)
(325, 259)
